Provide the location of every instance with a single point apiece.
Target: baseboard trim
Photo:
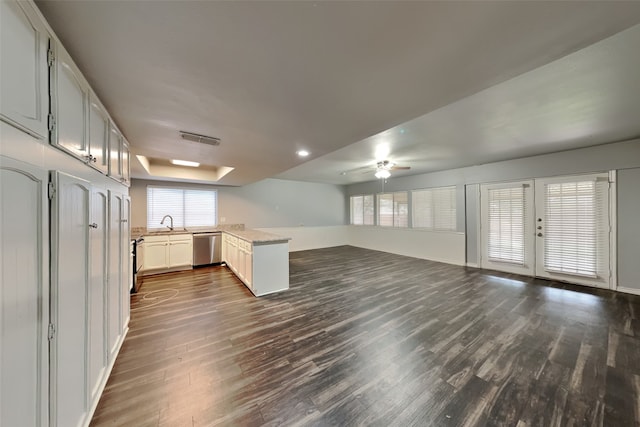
(473, 264)
(628, 290)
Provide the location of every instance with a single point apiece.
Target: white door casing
(567, 228)
(572, 229)
(507, 207)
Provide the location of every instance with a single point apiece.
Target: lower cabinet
(89, 314)
(263, 266)
(167, 251)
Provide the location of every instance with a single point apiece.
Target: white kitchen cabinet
(118, 283)
(98, 136)
(167, 251)
(155, 253)
(115, 146)
(125, 168)
(24, 296)
(180, 250)
(70, 210)
(24, 87)
(99, 234)
(71, 102)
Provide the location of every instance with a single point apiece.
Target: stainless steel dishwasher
(207, 248)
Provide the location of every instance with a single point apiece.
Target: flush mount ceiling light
(383, 173)
(185, 163)
(302, 153)
(203, 139)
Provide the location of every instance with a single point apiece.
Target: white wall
(433, 245)
(266, 203)
(305, 238)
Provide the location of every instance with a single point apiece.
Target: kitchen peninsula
(259, 259)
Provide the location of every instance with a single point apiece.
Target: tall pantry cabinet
(64, 223)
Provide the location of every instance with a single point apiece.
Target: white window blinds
(393, 209)
(357, 216)
(362, 210)
(188, 207)
(434, 208)
(506, 238)
(574, 226)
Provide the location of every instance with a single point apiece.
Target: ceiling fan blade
(362, 169)
(398, 168)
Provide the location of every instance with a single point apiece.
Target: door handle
(93, 225)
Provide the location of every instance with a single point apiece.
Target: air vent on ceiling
(203, 139)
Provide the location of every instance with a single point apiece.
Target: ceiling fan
(381, 169)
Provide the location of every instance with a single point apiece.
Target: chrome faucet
(171, 218)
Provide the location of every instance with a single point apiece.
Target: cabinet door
(248, 269)
(24, 355)
(115, 145)
(114, 294)
(99, 219)
(180, 253)
(125, 156)
(98, 137)
(24, 87)
(71, 113)
(69, 305)
(155, 255)
(126, 277)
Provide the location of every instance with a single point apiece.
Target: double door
(556, 228)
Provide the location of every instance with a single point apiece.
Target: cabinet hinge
(52, 331)
(51, 121)
(51, 190)
(51, 57)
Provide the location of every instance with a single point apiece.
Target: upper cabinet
(24, 91)
(98, 136)
(71, 100)
(44, 94)
(126, 162)
(118, 156)
(115, 158)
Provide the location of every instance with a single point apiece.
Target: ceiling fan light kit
(382, 173)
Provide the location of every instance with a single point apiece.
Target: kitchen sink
(167, 231)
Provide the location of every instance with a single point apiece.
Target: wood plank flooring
(370, 338)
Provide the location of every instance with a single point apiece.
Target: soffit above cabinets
(271, 78)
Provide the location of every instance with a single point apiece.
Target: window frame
(394, 209)
(362, 215)
(182, 223)
(435, 216)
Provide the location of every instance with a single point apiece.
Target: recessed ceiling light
(185, 163)
(303, 153)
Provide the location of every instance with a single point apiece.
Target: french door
(555, 228)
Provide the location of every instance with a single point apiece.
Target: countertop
(255, 236)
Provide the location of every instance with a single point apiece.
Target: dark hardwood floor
(369, 338)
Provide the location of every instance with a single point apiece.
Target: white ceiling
(442, 84)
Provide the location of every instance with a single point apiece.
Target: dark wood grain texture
(369, 338)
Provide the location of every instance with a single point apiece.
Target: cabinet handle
(123, 220)
(93, 225)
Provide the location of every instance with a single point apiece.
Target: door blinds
(506, 238)
(575, 227)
